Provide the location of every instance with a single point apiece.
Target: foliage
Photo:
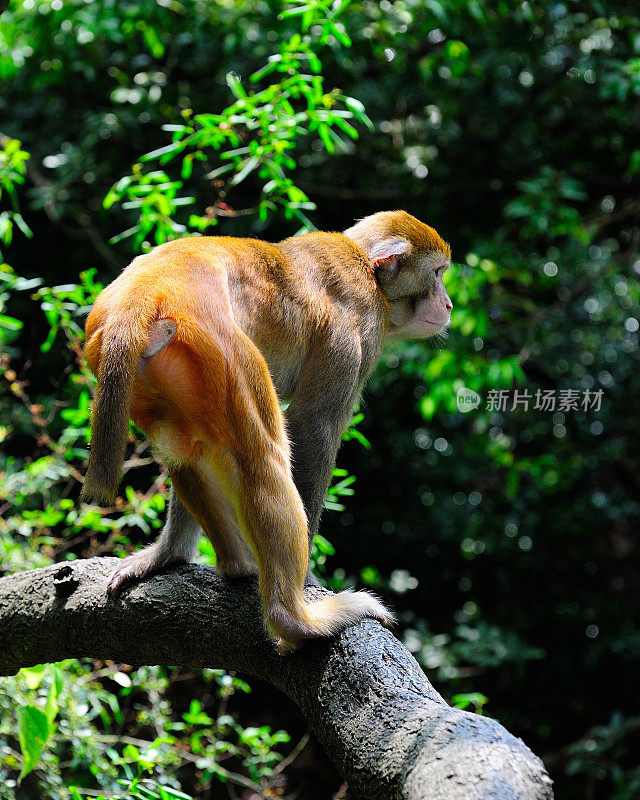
(259, 133)
(512, 128)
(12, 174)
(68, 720)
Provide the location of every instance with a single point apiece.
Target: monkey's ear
(385, 254)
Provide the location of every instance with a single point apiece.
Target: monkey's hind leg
(177, 544)
(202, 493)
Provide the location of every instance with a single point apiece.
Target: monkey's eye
(440, 270)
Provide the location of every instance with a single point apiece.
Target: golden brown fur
(200, 339)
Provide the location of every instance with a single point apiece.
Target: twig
(304, 741)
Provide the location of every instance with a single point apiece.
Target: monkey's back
(281, 296)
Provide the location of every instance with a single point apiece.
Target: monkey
(201, 339)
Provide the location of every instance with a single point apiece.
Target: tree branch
(386, 728)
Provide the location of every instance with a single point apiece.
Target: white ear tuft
(385, 254)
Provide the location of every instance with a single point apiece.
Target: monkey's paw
(132, 570)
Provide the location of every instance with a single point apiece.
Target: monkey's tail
(124, 337)
(326, 617)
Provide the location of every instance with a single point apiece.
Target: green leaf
(162, 151)
(10, 323)
(152, 41)
(345, 127)
(51, 707)
(325, 134)
(268, 68)
(233, 82)
(33, 675)
(339, 32)
(174, 793)
(295, 12)
(51, 337)
(249, 165)
(470, 698)
(19, 220)
(33, 732)
(215, 173)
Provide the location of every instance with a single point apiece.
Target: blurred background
(504, 532)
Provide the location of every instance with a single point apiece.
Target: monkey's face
(409, 259)
(419, 304)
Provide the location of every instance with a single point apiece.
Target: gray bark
(386, 728)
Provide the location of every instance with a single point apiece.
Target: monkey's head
(409, 259)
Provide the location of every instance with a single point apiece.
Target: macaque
(199, 341)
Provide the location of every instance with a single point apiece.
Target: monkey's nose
(449, 304)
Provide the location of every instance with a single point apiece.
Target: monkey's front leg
(177, 544)
(315, 419)
(314, 445)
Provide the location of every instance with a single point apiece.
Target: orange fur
(196, 341)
